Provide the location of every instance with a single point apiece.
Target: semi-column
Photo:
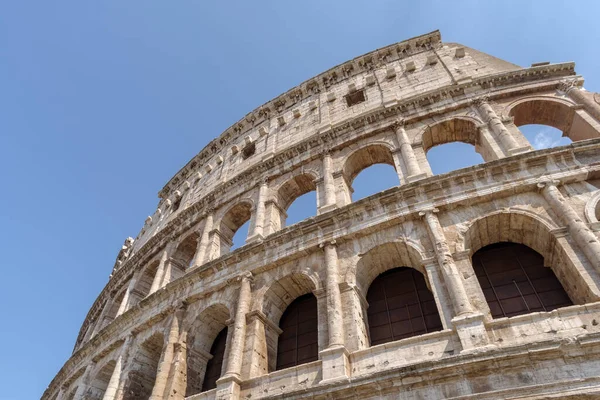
(335, 358)
(335, 322)
(200, 256)
(165, 364)
(160, 271)
(584, 237)
(100, 321)
(259, 219)
(490, 117)
(460, 299)
(328, 185)
(116, 381)
(229, 384)
(468, 322)
(124, 306)
(413, 170)
(577, 93)
(84, 382)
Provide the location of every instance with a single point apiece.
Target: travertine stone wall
(177, 285)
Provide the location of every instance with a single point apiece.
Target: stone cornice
(409, 201)
(412, 105)
(359, 65)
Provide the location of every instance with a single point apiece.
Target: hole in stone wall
(544, 136)
(248, 150)
(452, 156)
(374, 179)
(176, 204)
(355, 98)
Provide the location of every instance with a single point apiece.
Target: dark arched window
(215, 364)
(400, 306)
(514, 280)
(298, 341)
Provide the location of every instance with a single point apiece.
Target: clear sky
(101, 102)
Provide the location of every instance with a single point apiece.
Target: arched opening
(235, 220)
(140, 380)
(207, 339)
(142, 287)
(240, 236)
(534, 233)
(400, 306)
(452, 156)
(297, 199)
(372, 180)
(515, 281)
(276, 301)
(298, 341)
(215, 364)
(100, 382)
(543, 136)
(184, 254)
(305, 206)
(454, 144)
(572, 123)
(112, 311)
(374, 156)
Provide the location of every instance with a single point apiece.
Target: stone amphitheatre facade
(479, 283)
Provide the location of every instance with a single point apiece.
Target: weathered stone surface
(177, 286)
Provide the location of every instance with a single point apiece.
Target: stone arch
(112, 310)
(144, 366)
(537, 233)
(185, 250)
(382, 257)
(515, 281)
(99, 383)
(233, 218)
(287, 193)
(295, 187)
(592, 209)
(283, 291)
(276, 299)
(561, 114)
(200, 338)
(143, 286)
(386, 258)
(517, 226)
(463, 129)
(182, 257)
(366, 156)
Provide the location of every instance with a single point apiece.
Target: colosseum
(480, 283)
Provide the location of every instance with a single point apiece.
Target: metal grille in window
(298, 343)
(514, 280)
(215, 364)
(400, 306)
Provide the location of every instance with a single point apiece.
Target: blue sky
(102, 102)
